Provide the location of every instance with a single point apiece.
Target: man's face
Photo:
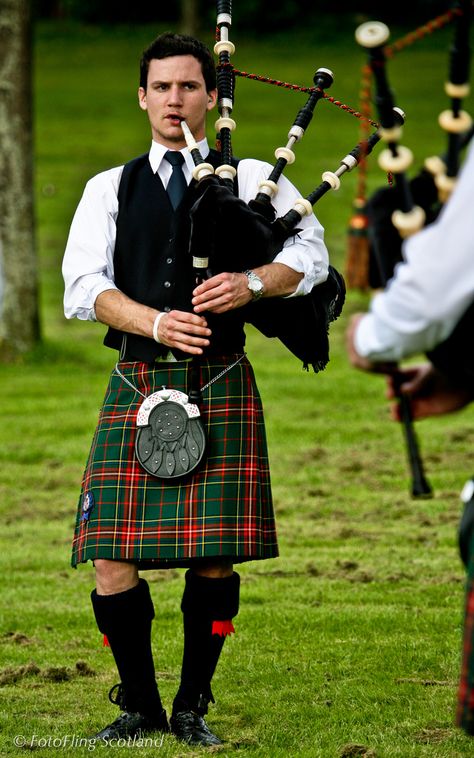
(175, 91)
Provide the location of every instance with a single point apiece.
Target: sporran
(171, 440)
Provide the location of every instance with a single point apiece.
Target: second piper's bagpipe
(397, 211)
(230, 234)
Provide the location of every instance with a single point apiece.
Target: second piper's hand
(430, 393)
(221, 293)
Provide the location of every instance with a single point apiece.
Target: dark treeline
(253, 15)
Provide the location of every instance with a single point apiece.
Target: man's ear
(142, 98)
(211, 99)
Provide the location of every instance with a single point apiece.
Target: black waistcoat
(152, 264)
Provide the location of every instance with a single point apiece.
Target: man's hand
(430, 393)
(225, 292)
(184, 331)
(358, 361)
(221, 293)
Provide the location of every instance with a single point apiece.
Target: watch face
(255, 284)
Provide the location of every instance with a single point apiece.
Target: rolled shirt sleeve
(306, 252)
(88, 267)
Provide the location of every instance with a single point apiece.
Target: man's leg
(124, 612)
(210, 601)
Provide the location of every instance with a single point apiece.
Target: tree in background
(257, 16)
(19, 321)
(190, 17)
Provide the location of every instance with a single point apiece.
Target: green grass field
(348, 644)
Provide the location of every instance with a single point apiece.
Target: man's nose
(174, 95)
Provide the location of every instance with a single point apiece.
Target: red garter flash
(222, 628)
(106, 641)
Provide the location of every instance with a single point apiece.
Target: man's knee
(214, 568)
(114, 576)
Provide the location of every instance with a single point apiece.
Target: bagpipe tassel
(357, 256)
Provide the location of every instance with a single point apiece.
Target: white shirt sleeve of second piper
(431, 289)
(306, 252)
(88, 267)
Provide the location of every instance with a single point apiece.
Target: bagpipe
(400, 210)
(394, 212)
(257, 235)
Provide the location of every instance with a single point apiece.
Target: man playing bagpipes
(429, 307)
(127, 265)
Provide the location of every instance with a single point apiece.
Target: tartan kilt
(224, 508)
(465, 707)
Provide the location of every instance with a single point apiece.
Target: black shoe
(191, 728)
(132, 724)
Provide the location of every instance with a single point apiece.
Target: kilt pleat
(224, 508)
(465, 707)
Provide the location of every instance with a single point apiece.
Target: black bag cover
(236, 238)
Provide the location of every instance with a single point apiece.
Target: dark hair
(169, 44)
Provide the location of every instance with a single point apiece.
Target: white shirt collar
(157, 152)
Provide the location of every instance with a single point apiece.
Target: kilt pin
(223, 509)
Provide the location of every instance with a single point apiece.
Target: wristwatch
(255, 285)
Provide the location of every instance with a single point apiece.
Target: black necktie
(177, 183)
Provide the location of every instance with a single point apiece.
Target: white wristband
(156, 324)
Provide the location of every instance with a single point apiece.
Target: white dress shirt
(432, 288)
(88, 265)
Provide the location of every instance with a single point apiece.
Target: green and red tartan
(223, 509)
(465, 709)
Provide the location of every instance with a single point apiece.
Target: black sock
(205, 601)
(125, 618)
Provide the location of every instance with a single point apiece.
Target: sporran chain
(205, 387)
